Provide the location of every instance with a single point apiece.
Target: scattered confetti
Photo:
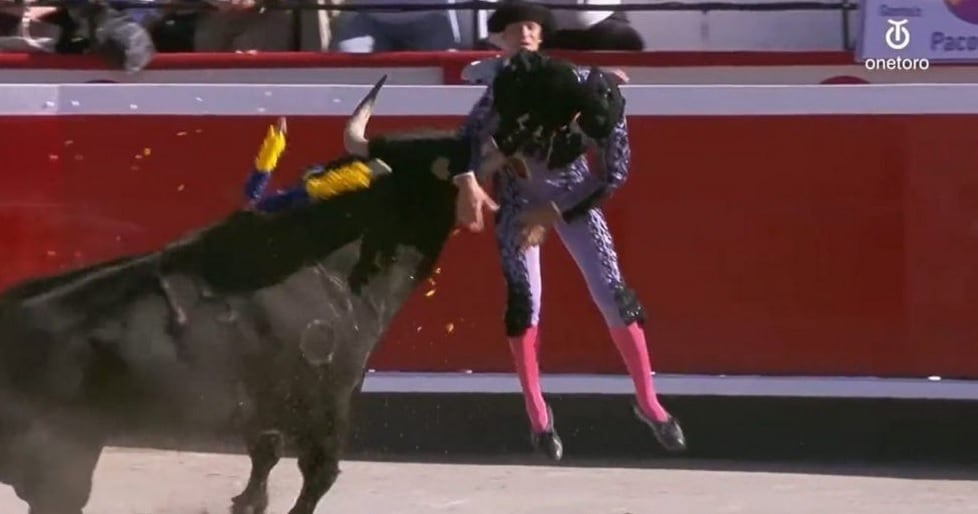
(268, 93)
(75, 103)
(147, 152)
(182, 133)
(261, 109)
(199, 99)
(134, 168)
(180, 187)
(198, 131)
(137, 156)
(133, 107)
(455, 232)
(437, 271)
(69, 142)
(418, 330)
(79, 157)
(430, 293)
(431, 281)
(49, 103)
(450, 328)
(52, 253)
(53, 157)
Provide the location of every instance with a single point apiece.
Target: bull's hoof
(246, 503)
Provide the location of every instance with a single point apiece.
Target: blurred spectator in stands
(593, 30)
(243, 25)
(91, 26)
(172, 28)
(22, 28)
(393, 30)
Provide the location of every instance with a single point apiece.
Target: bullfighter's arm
(614, 159)
(265, 162)
(477, 128)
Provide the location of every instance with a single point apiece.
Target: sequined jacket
(583, 190)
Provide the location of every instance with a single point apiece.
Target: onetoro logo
(897, 37)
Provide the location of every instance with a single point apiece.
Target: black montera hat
(516, 11)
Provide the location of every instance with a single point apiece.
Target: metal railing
(843, 7)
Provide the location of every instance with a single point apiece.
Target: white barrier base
(681, 385)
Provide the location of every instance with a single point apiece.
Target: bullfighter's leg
(590, 244)
(524, 288)
(319, 447)
(265, 449)
(55, 476)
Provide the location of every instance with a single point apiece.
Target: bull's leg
(58, 477)
(265, 450)
(319, 458)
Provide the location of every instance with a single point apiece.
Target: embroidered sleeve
(479, 127)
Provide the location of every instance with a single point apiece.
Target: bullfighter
(552, 192)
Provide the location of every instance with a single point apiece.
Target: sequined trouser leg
(592, 248)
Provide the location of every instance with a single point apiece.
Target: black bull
(263, 323)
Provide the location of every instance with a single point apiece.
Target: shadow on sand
(879, 438)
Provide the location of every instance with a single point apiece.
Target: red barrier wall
(835, 245)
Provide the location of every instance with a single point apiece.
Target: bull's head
(439, 153)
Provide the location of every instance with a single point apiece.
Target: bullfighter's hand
(472, 200)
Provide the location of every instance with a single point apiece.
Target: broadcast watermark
(897, 37)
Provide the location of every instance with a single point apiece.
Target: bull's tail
(354, 138)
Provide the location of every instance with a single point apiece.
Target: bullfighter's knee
(629, 307)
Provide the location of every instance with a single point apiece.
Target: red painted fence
(790, 244)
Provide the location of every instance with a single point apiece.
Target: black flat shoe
(669, 433)
(548, 442)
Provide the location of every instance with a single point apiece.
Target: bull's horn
(354, 138)
(378, 168)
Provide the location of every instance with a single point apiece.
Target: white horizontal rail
(336, 100)
(933, 388)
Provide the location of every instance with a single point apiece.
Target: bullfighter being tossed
(546, 113)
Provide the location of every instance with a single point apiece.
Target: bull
(262, 323)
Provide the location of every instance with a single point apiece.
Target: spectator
(593, 30)
(84, 26)
(393, 30)
(243, 25)
(22, 28)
